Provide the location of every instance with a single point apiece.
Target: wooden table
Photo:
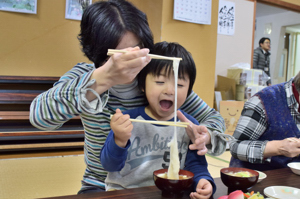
(279, 177)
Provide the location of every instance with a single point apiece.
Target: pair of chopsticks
(113, 51)
(165, 123)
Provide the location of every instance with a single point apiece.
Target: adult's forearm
(101, 85)
(42, 115)
(272, 148)
(52, 108)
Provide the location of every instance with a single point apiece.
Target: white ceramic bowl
(261, 176)
(295, 167)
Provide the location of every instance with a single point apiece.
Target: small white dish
(295, 167)
(280, 192)
(261, 176)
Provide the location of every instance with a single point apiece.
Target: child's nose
(169, 89)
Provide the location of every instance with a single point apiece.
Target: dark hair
(262, 40)
(186, 65)
(103, 25)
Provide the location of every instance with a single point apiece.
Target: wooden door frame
(281, 4)
(277, 3)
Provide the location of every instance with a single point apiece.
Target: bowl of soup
(238, 178)
(173, 188)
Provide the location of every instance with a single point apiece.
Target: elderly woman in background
(267, 134)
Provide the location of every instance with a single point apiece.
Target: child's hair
(103, 25)
(186, 65)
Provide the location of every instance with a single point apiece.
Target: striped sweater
(66, 99)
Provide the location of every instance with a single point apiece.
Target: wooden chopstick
(113, 51)
(166, 123)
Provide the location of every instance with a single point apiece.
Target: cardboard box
(257, 79)
(225, 90)
(231, 112)
(241, 76)
(243, 93)
(227, 87)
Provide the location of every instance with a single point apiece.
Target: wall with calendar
(200, 40)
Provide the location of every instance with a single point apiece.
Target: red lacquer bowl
(238, 183)
(173, 188)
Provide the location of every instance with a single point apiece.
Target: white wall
(238, 47)
(278, 21)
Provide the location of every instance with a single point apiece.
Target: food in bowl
(173, 188)
(253, 195)
(245, 174)
(295, 167)
(165, 175)
(238, 183)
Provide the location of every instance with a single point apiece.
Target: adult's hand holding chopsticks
(124, 67)
(122, 127)
(121, 68)
(199, 135)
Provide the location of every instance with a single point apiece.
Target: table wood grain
(279, 177)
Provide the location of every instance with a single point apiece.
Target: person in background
(133, 151)
(267, 134)
(261, 57)
(95, 91)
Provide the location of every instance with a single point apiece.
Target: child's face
(160, 93)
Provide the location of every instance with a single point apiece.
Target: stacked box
(248, 82)
(257, 79)
(241, 76)
(243, 93)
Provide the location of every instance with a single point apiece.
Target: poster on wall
(193, 11)
(226, 18)
(74, 8)
(24, 6)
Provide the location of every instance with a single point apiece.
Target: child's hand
(204, 190)
(122, 127)
(199, 135)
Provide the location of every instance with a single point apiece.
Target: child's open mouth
(166, 104)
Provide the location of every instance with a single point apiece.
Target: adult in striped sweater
(95, 91)
(261, 57)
